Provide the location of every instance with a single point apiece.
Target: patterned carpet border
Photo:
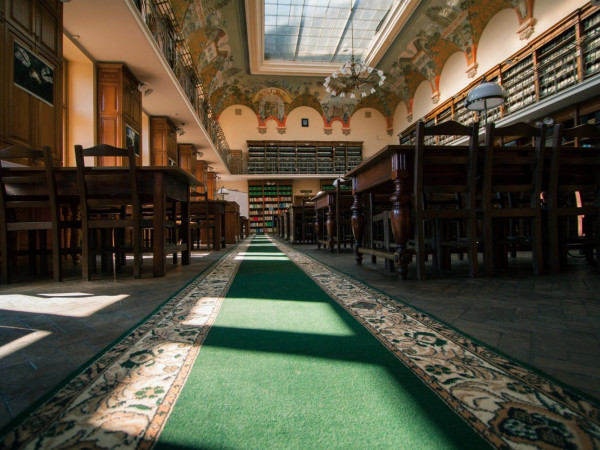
(508, 404)
(123, 399)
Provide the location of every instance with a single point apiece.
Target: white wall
(81, 94)
(492, 49)
(549, 12)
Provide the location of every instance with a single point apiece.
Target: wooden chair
(28, 203)
(202, 225)
(308, 219)
(511, 193)
(110, 206)
(445, 192)
(573, 196)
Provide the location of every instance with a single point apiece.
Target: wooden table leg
(358, 225)
(217, 231)
(400, 219)
(160, 210)
(330, 228)
(186, 236)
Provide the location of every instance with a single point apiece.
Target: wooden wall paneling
(18, 102)
(35, 25)
(48, 29)
(28, 120)
(21, 15)
(40, 22)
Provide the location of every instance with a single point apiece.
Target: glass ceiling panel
(321, 30)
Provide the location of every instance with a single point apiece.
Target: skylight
(321, 31)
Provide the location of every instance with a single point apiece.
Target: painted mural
(437, 30)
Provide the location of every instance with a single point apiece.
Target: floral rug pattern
(510, 405)
(125, 397)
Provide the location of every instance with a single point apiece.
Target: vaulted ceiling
(423, 35)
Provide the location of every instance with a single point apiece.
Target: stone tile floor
(48, 330)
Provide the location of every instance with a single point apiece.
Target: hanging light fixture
(484, 96)
(354, 77)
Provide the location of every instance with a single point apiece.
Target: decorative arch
(306, 98)
(231, 95)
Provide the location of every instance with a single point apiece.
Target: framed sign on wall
(33, 74)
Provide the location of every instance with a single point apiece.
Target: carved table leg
(358, 224)
(400, 219)
(330, 228)
(317, 229)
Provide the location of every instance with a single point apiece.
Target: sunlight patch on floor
(15, 345)
(74, 304)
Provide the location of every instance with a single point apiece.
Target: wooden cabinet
(119, 108)
(211, 185)
(31, 49)
(163, 142)
(187, 157)
(40, 22)
(201, 174)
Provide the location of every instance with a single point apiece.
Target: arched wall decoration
(230, 96)
(306, 99)
(211, 28)
(272, 104)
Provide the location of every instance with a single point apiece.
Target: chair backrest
(445, 171)
(21, 188)
(106, 188)
(574, 167)
(513, 163)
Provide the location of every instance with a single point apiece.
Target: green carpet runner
(284, 366)
(269, 348)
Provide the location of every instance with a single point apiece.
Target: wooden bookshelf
(563, 56)
(303, 157)
(267, 199)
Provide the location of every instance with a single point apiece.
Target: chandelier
(354, 77)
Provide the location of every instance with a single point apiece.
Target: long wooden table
(390, 172)
(329, 210)
(157, 185)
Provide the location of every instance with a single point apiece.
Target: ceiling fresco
(215, 33)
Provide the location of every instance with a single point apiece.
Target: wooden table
(158, 185)
(301, 224)
(389, 171)
(212, 212)
(329, 209)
